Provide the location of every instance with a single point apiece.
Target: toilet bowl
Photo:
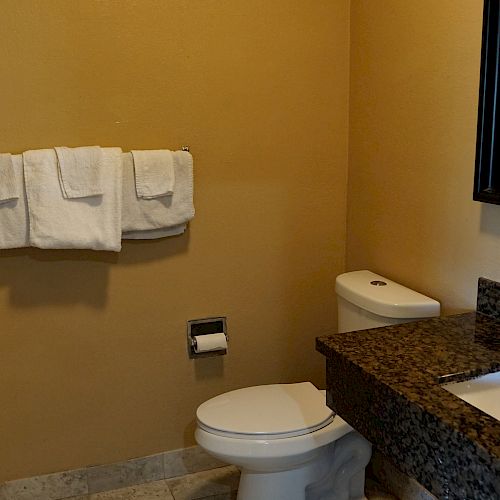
(286, 441)
(288, 444)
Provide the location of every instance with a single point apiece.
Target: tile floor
(215, 484)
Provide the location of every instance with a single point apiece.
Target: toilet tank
(367, 300)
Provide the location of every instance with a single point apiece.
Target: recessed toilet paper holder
(207, 326)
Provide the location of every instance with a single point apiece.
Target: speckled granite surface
(385, 382)
(488, 298)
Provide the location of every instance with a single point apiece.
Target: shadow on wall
(207, 368)
(39, 277)
(490, 215)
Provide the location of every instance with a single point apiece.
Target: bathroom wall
(93, 363)
(413, 114)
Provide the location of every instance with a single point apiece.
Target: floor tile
(375, 491)
(157, 490)
(217, 483)
(120, 475)
(224, 496)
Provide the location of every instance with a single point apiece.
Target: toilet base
(286, 485)
(338, 473)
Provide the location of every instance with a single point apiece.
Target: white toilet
(286, 441)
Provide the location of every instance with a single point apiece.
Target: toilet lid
(266, 412)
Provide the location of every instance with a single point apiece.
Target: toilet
(288, 444)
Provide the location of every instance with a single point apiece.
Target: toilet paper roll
(210, 342)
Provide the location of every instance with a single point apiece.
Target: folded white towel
(154, 234)
(57, 222)
(139, 214)
(14, 226)
(8, 186)
(79, 171)
(154, 173)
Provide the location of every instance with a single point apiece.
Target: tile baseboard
(100, 478)
(221, 483)
(122, 474)
(47, 487)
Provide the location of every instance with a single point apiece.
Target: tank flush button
(378, 283)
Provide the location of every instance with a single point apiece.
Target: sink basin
(482, 392)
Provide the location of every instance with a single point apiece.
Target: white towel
(14, 226)
(154, 173)
(79, 171)
(8, 186)
(57, 222)
(154, 234)
(139, 214)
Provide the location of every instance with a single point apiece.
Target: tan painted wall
(93, 359)
(413, 108)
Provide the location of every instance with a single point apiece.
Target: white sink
(482, 392)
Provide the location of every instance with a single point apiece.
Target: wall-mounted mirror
(487, 173)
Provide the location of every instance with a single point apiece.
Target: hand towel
(140, 214)
(14, 226)
(8, 185)
(79, 171)
(154, 173)
(154, 234)
(92, 222)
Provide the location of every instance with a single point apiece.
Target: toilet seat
(268, 412)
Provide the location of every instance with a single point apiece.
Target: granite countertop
(386, 382)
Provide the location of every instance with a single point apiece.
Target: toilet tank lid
(392, 300)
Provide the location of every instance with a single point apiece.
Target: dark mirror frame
(487, 173)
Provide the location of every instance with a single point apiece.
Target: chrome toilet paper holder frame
(205, 326)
